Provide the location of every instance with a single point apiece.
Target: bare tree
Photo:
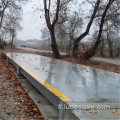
(78, 39)
(13, 25)
(9, 9)
(53, 18)
(67, 30)
(92, 50)
(111, 26)
(6, 6)
(51, 25)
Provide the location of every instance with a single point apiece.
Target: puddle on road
(79, 83)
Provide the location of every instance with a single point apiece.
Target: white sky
(31, 22)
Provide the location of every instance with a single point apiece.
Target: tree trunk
(54, 44)
(69, 47)
(75, 48)
(110, 46)
(88, 54)
(101, 51)
(118, 52)
(1, 44)
(51, 26)
(101, 48)
(12, 41)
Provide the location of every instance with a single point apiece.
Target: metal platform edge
(64, 114)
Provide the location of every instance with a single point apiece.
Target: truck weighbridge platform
(67, 84)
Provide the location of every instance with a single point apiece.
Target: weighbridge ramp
(78, 92)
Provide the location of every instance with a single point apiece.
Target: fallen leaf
(39, 117)
(116, 112)
(91, 111)
(13, 77)
(17, 90)
(35, 109)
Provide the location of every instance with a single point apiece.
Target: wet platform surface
(77, 82)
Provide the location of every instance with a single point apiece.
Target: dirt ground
(15, 104)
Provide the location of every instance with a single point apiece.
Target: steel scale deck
(69, 83)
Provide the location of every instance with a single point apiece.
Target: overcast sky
(31, 23)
